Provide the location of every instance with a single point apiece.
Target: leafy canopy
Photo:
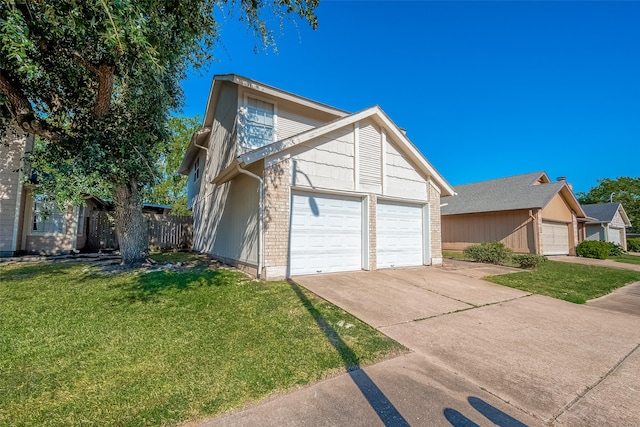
(626, 191)
(97, 81)
(172, 186)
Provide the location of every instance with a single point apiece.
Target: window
(196, 170)
(80, 230)
(46, 217)
(259, 123)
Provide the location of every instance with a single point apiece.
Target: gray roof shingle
(603, 212)
(511, 193)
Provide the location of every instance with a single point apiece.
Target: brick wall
(373, 200)
(277, 198)
(436, 226)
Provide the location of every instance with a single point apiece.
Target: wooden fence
(163, 231)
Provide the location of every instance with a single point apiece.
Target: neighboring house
(281, 185)
(30, 224)
(610, 223)
(13, 146)
(528, 213)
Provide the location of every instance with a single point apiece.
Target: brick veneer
(277, 197)
(373, 206)
(436, 226)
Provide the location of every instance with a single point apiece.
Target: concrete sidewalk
(597, 262)
(482, 354)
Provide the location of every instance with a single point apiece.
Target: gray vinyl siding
(226, 220)
(290, 123)
(370, 161)
(594, 232)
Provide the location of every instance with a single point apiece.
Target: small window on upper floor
(259, 123)
(196, 170)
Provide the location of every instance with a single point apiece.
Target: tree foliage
(171, 188)
(97, 81)
(626, 190)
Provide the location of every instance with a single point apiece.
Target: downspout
(260, 215)
(536, 236)
(195, 136)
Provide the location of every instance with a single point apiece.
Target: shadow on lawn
(150, 287)
(385, 410)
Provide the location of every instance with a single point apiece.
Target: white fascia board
(193, 148)
(227, 173)
(285, 144)
(624, 216)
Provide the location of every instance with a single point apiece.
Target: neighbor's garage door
(615, 236)
(399, 239)
(326, 233)
(555, 238)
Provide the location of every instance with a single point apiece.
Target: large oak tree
(97, 81)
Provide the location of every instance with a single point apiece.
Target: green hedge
(633, 244)
(593, 249)
(528, 260)
(491, 253)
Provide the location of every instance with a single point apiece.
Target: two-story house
(281, 185)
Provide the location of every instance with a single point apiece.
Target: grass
(81, 347)
(455, 255)
(570, 282)
(629, 259)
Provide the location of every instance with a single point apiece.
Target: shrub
(528, 260)
(492, 253)
(593, 249)
(615, 250)
(633, 244)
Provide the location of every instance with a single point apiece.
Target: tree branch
(104, 72)
(23, 113)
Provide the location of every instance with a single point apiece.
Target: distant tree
(171, 188)
(626, 190)
(98, 80)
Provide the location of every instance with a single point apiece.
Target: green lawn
(629, 259)
(80, 347)
(571, 282)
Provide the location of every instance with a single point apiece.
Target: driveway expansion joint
(588, 389)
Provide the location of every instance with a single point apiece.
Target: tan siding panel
(557, 210)
(513, 228)
(325, 162)
(402, 179)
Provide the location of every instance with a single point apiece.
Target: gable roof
(605, 212)
(200, 137)
(528, 191)
(375, 113)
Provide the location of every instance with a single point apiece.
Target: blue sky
(484, 89)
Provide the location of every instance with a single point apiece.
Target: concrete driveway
(482, 354)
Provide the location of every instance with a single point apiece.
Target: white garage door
(615, 236)
(326, 234)
(555, 238)
(399, 239)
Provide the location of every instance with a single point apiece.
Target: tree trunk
(130, 226)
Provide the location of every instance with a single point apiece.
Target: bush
(528, 260)
(615, 250)
(633, 244)
(492, 253)
(593, 249)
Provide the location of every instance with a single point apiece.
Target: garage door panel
(399, 236)
(326, 234)
(555, 238)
